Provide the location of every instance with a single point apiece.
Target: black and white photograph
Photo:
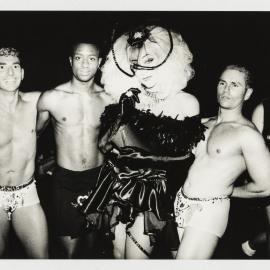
(135, 134)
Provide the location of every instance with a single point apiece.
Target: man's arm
(43, 116)
(258, 117)
(257, 159)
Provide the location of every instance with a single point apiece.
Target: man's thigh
(30, 225)
(83, 247)
(197, 244)
(4, 230)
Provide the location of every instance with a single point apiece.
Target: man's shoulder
(57, 91)
(247, 125)
(98, 90)
(250, 138)
(247, 132)
(103, 95)
(50, 98)
(209, 122)
(64, 87)
(32, 96)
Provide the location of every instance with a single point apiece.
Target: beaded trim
(15, 188)
(225, 197)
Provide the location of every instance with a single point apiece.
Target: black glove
(128, 99)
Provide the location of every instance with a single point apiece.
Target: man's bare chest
(19, 126)
(78, 112)
(221, 141)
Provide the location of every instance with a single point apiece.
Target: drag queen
(145, 135)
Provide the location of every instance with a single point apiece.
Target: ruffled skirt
(123, 194)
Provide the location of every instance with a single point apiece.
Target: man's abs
(77, 157)
(16, 174)
(17, 161)
(77, 147)
(210, 182)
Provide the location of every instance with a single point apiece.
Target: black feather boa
(166, 135)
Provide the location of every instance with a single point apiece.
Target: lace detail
(11, 201)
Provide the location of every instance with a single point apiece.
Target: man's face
(231, 89)
(11, 73)
(85, 62)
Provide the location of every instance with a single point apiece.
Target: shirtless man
(232, 145)
(75, 108)
(19, 201)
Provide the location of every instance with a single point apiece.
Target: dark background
(215, 39)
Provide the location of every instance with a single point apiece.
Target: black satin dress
(146, 186)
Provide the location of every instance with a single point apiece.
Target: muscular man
(75, 108)
(19, 200)
(232, 145)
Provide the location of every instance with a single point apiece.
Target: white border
(134, 264)
(140, 5)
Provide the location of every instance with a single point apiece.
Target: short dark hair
(77, 42)
(6, 51)
(242, 69)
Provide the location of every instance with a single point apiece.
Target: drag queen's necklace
(151, 100)
(154, 96)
